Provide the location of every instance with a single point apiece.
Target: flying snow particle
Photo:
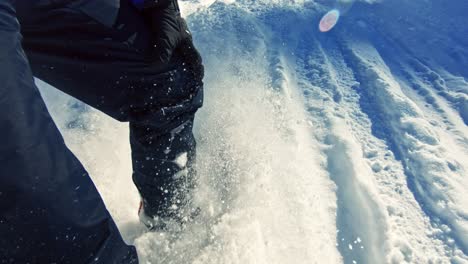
(329, 20)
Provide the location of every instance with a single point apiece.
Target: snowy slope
(343, 147)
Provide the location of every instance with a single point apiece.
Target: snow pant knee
(90, 61)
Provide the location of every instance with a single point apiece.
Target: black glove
(169, 29)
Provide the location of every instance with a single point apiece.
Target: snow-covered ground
(343, 147)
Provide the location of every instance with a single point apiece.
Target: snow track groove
(412, 139)
(356, 207)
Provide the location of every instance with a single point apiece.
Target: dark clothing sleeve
(50, 211)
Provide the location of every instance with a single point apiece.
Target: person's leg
(50, 211)
(108, 69)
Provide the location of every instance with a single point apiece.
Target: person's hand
(169, 29)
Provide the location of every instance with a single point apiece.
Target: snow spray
(330, 19)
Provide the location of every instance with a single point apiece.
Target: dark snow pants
(109, 69)
(49, 209)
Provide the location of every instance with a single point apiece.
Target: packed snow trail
(344, 147)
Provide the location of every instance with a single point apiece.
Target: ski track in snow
(345, 147)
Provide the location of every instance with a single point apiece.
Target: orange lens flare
(329, 20)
